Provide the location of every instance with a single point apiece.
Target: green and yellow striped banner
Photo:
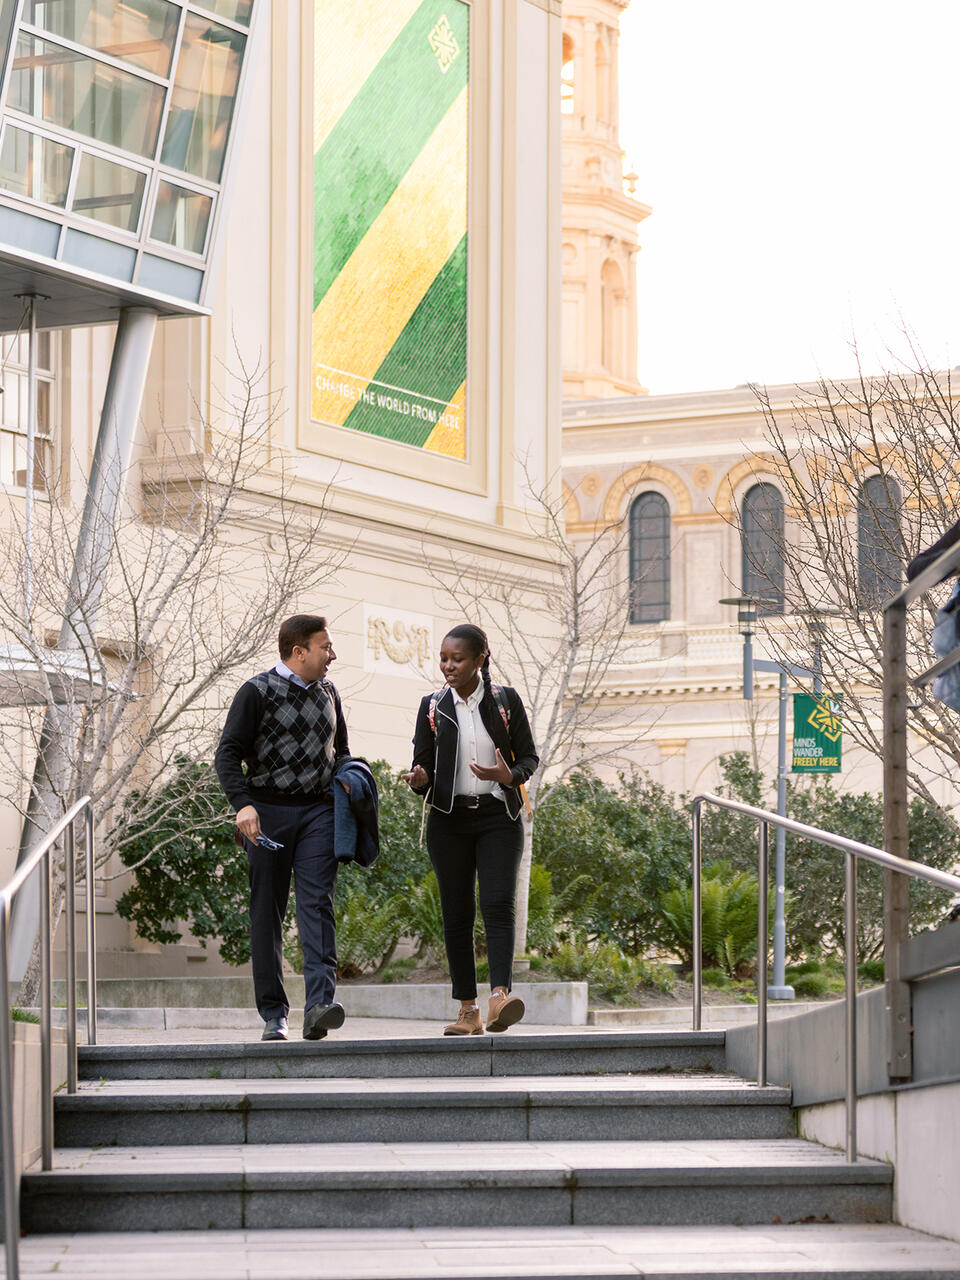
(390, 133)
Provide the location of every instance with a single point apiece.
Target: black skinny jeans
(482, 847)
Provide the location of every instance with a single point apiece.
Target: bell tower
(600, 215)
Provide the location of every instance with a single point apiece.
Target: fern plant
(729, 914)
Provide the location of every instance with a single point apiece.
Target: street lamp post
(746, 617)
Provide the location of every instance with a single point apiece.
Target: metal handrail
(936, 572)
(896, 786)
(40, 857)
(853, 850)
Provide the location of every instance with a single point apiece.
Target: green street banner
(817, 733)
(390, 156)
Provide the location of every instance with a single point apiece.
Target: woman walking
(472, 751)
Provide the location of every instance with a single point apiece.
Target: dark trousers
(477, 847)
(306, 833)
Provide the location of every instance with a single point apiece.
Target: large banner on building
(390, 162)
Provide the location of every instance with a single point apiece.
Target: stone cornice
(603, 196)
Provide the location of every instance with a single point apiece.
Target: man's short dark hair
(297, 631)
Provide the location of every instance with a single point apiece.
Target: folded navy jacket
(356, 826)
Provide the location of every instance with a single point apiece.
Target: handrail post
(896, 838)
(763, 861)
(11, 1178)
(91, 929)
(850, 931)
(40, 860)
(697, 918)
(46, 1019)
(70, 951)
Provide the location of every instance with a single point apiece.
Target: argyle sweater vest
(294, 749)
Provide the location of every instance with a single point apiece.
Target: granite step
(467, 1184)
(339, 1055)
(808, 1252)
(437, 1109)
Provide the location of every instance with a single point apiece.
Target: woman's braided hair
(479, 645)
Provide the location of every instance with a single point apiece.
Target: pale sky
(801, 160)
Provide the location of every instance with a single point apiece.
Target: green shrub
(715, 978)
(398, 970)
(187, 864)
(24, 1015)
(367, 929)
(812, 985)
(483, 969)
(654, 976)
(729, 916)
(610, 851)
(541, 912)
(804, 966)
(871, 971)
(602, 967)
(423, 917)
(609, 974)
(729, 836)
(815, 922)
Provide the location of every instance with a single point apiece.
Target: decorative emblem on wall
(402, 643)
(444, 44)
(703, 476)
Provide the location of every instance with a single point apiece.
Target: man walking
(286, 726)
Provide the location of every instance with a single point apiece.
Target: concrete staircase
(392, 1157)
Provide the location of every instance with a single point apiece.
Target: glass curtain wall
(120, 115)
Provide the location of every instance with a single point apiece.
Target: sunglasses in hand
(266, 843)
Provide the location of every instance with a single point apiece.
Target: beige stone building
(677, 471)
(677, 474)
(391, 257)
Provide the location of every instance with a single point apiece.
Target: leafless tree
(870, 472)
(562, 643)
(207, 553)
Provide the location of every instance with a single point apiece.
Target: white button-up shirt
(476, 747)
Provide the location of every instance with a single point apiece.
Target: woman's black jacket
(437, 751)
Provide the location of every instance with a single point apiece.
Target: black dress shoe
(275, 1029)
(321, 1018)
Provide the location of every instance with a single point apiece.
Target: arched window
(649, 558)
(878, 541)
(762, 547)
(567, 76)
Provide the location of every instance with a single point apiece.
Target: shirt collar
(474, 700)
(283, 670)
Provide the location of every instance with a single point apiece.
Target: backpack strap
(501, 700)
(432, 711)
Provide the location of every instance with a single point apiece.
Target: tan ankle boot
(468, 1023)
(503, 1011)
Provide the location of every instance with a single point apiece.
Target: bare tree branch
(209, 553)
(869, 469)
